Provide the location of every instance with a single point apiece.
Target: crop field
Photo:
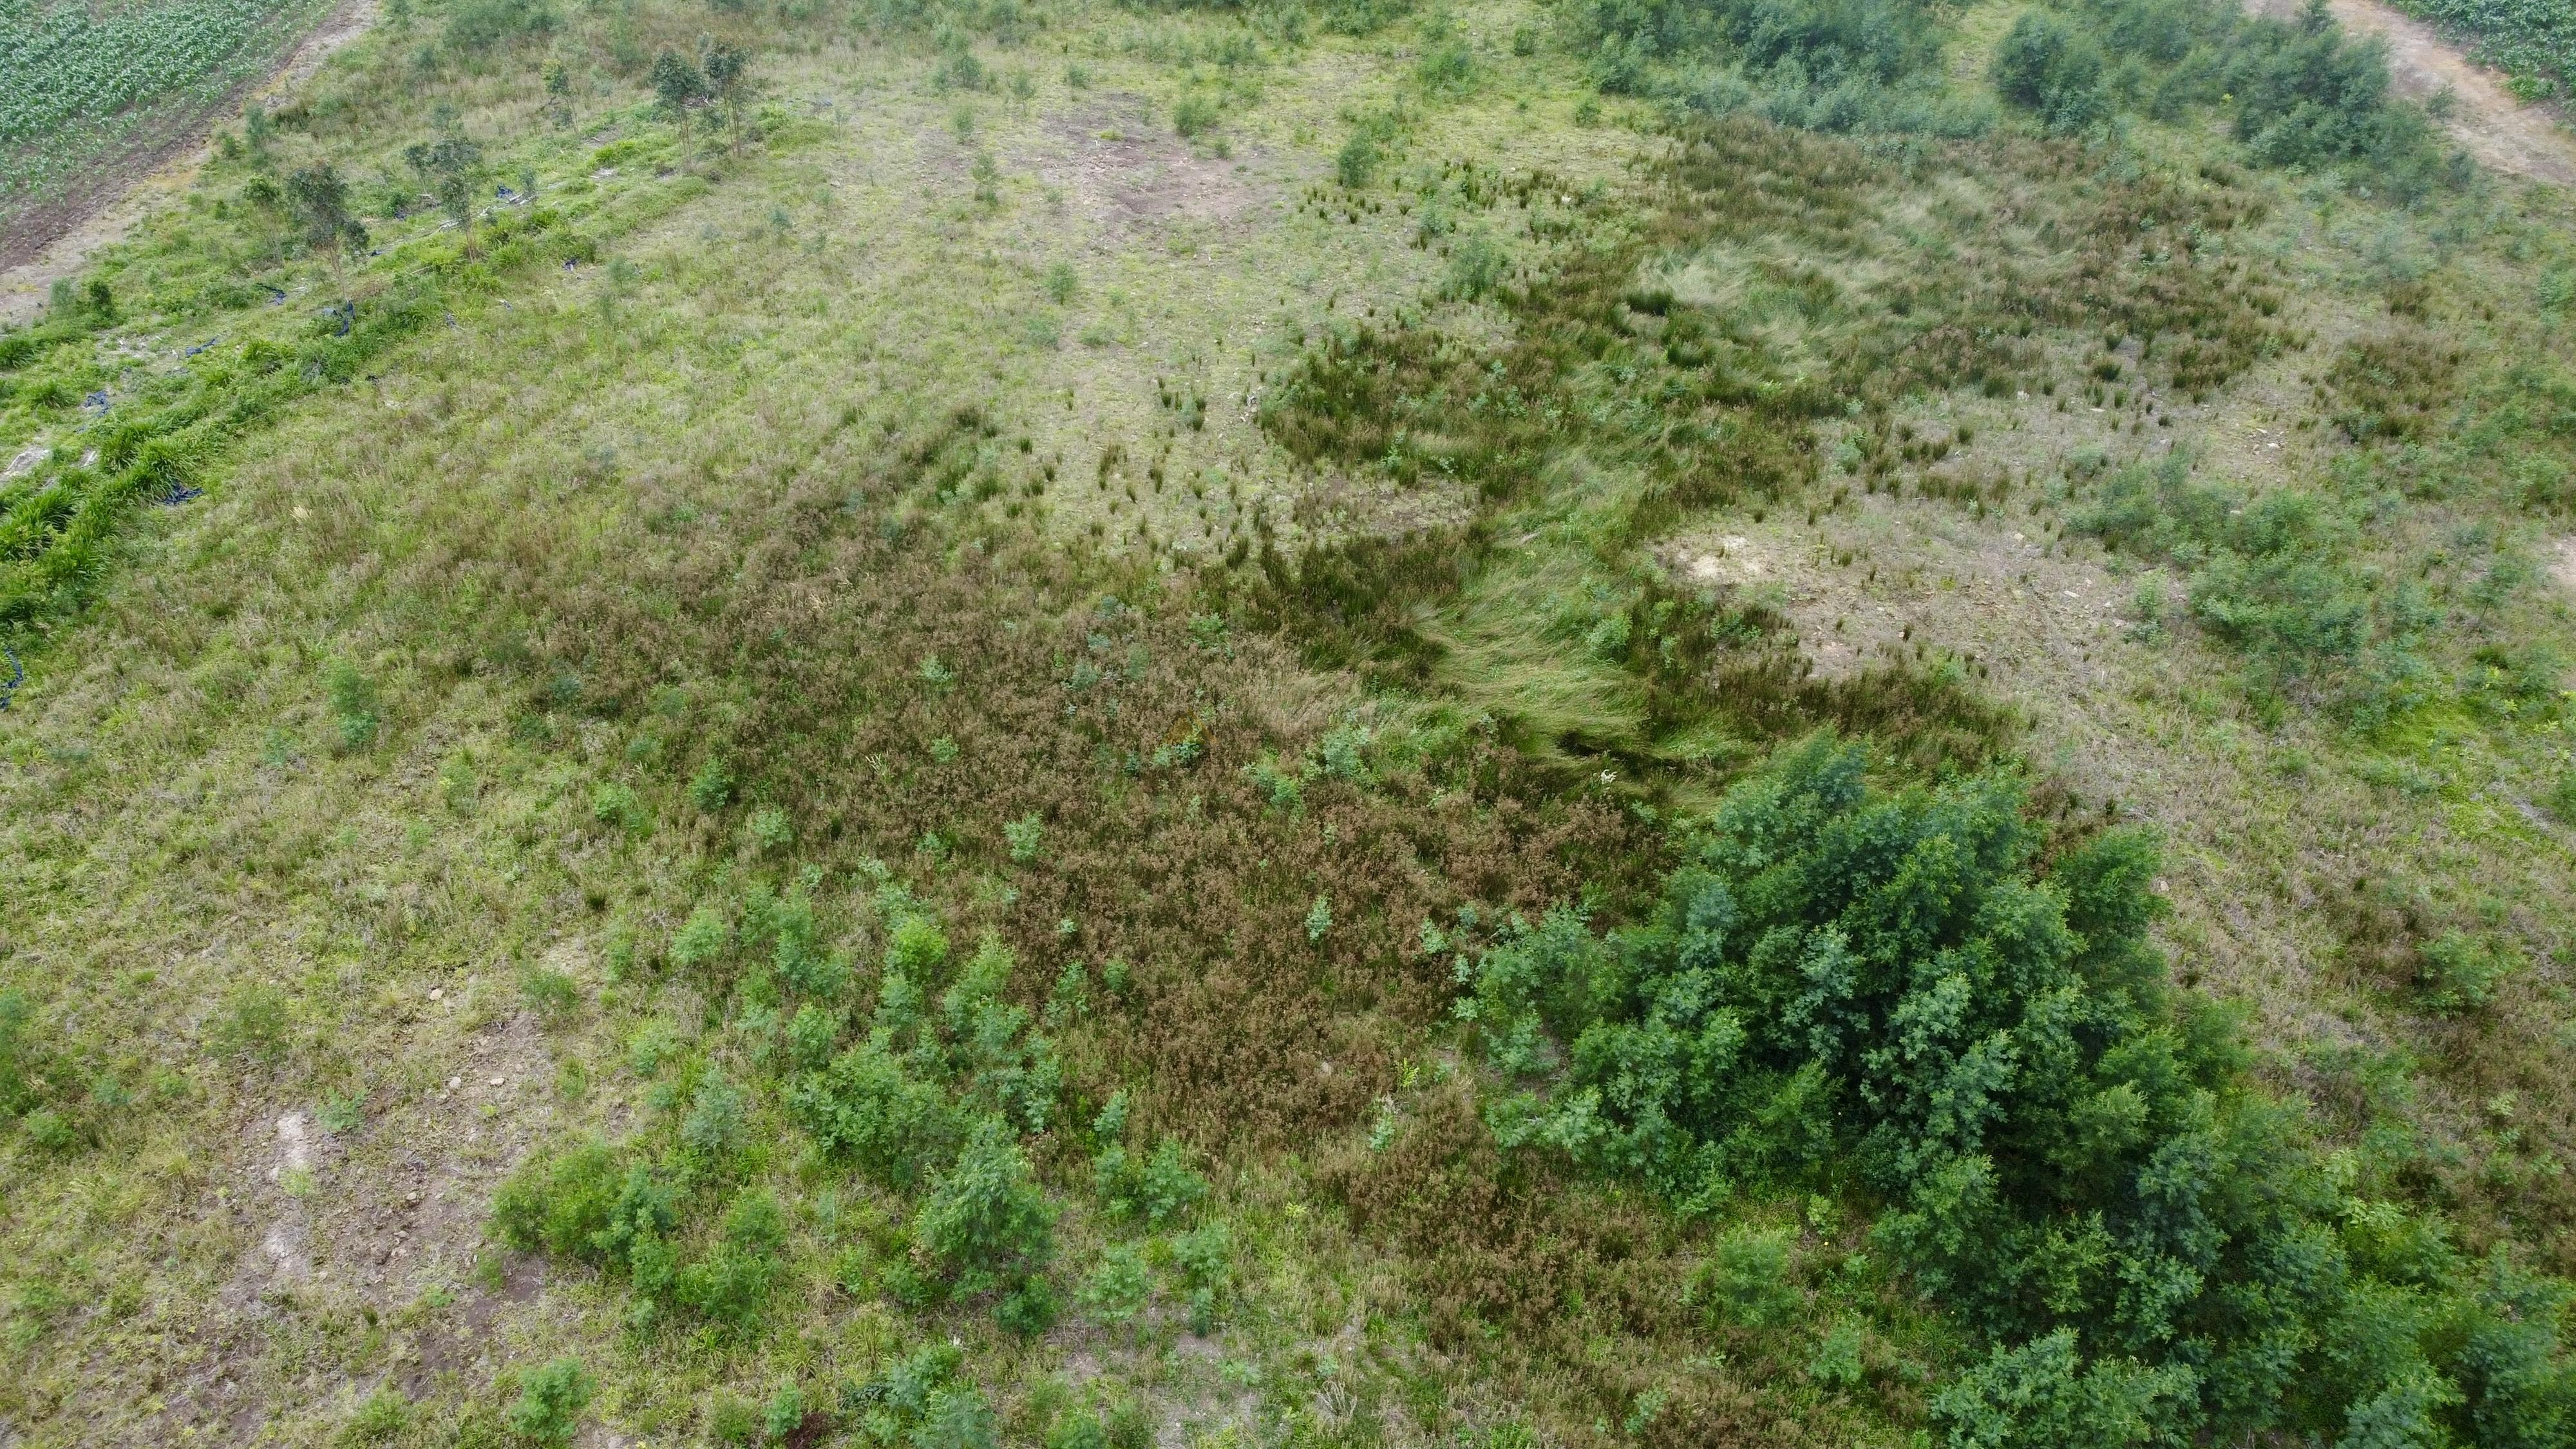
(2533, 40)
(79, 83)
(1571, 723)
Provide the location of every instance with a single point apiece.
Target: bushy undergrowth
(2299, 93)
(1873, 992)
(2276, 576)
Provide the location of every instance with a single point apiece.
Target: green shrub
(2561, 801)
(869, 1109)
(731, 1285)
(553, 994)
(1157, 1191)
(18, 1060)
(1837, 1364)
(2460, 973)
(1194, 116)
(1024, 836)
(714, 1129)
(551, 1401)
(254, 1023)
(1204, 1258)
(2275, 575)
(986, 1225)
(2043, 1395)
(1130, 1426)
(381, 1417)
(1077, 1429)
(2050, 70)
(562, 1203)
(785, 1414)
(1826, 44)
(1118, 1286)
(958, 1417)
(617, 805)
(701, 939)
(732, 1419)
(811, 1035)
(342, 1113)
(353, 705)
(916, 947)
(1355, 165)
(1746, 1280)
(712, 786)
(476, 25)
(50, 1131)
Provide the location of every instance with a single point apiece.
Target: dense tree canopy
(1847, 987)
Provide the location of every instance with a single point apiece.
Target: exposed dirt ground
(55, 241)
(2500, 131)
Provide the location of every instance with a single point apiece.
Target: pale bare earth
(2501, 132)
(23, 287)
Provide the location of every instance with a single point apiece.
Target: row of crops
(2534, 40)
(72, 79)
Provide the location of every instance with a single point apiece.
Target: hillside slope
(1095, 725)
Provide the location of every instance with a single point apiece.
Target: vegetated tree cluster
(1874, 992)
(2300, 92)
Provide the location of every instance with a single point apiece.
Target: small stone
(500, 1081)
(438, 993)
(455, 1082)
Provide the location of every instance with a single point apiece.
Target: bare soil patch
(1121, 171)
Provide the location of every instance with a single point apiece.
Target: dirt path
(69, 235)
(2501, 132)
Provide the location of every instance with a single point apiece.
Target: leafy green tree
(449, 166)
(676, 83)
(727, 74)
(319, 199)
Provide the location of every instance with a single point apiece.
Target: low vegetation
(1073, 725)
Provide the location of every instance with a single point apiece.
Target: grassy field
(1093, 725)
